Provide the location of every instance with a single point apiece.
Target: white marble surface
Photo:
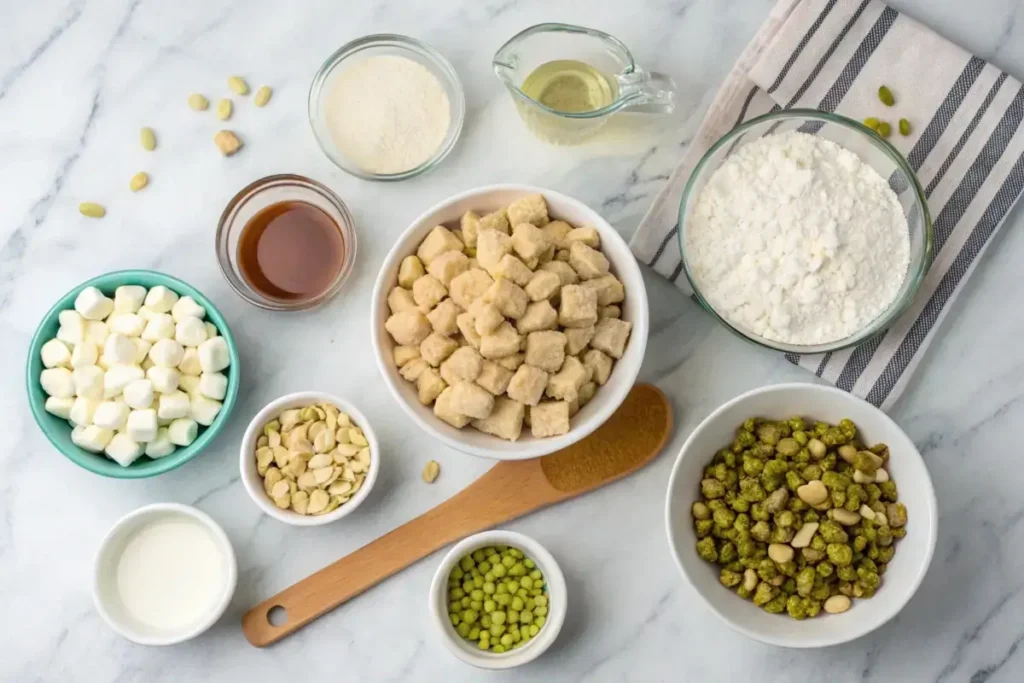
(78, 79)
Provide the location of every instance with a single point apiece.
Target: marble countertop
(78, 79)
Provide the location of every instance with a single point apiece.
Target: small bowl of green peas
(499, 599)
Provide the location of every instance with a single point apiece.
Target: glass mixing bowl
(874, 151)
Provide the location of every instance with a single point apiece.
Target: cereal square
(504, 341)
(493, 377)
(600, 365)
(472, 400)
(487, 316)
(428, 291)
(438, 241)
(465, 363)
(529, 209)
(584, 235)
(508, 297)
(609, 289)
(511, 362)
(577, 339)
(435, 348)
(539, 315)
(429, 386)
(556, 232)
(588, 263)
(578, 307)
(448, 266)
(495, 221)
(400, 299)
(527, 385)
(491, 245)
(412, 370)
(542, 285)
(545, 350)
(408, 328)
(611, 336)
(505, 421)
(443, 318)
(549, 418)
(444, 410)
(469, 286)
(404, 354)
(565, 384)
(563, 270)
(410, 271)
(467, 326)
(586, 393)
(470, 226)
(609, 312)
(529, 241)
(511, 268)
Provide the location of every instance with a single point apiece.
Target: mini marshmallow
(163, 421)
(173, 405)
(204, 410)
(118, 377)
(165, 380)
(213, 355)
(110, 415)
(189, 364)
(123, 450)
(167, 353)
(72, 327)
(160, 326)
(119, 350)
(147, 313)
(138, 394)
(103, 363)
(213, 385)
(91, 438)
(55, 353)
(182, 432)
(186, 307)
(190, 332)
(142, 348)
(129, 298)
(84, 355)
(211, 330)
(83, 410)
(89, 382)
(91, 304)
(189, 384)
(97, 332)
(147, 363)
(127, 324)
(57, 382)
(160, 446)
(142, 425)
(61, 407)
(160, 299)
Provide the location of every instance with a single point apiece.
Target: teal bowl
(58, 431)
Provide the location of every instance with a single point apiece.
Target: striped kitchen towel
(967, 148)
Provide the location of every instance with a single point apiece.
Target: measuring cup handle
(651, 92)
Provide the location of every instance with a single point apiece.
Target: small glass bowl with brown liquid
(286, 243)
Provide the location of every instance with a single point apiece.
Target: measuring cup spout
(648, 92)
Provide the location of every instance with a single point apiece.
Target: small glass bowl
(259, 195)
(386, 44)
(872, 150)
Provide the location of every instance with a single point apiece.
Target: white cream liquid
(170, 574)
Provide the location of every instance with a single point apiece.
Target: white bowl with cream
(164, 574)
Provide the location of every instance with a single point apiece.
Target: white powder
(387, 114)
(797, 240)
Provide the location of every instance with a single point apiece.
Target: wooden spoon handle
(504, 492)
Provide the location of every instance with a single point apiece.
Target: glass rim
(895, 309)
(443, 69)
(228, 217)
(557, 27)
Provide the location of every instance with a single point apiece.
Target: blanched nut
(780, 553)
(778, 580)
(860, 477)
(867, 513)
(816, 448)
(844, 516)
(837, 604)
(750, 579)
(881, 476)
(803, 537)
(813, 493)
(848, 453)
(227, 142)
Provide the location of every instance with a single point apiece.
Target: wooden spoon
(630, 439)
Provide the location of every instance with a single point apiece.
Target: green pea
(488, 588)
(498, 618)
(513, 586)
(489, 577)
(516, 553)
(499, 570)
(522, 592)
(485, 621)
(474, 633)
(484, 566)
(463, 629)
(885, 95)
(517, 603)
(456, 620)
(525, 616)
(478, 582)
(470, 616)
(476, 604)
(457, 573)
(498, 649)
(465, 601)
(479, 556)
(517, 570)
(542, 601)
(490, 606)
(541, 611)
(454, 606)
(535, 628)
(513, 616)
(508, 561)
(535, 574)
(530, 603)
(507, 640)
(466, 563)
(529, 563)
(476, 594)
(497, 629)
(526, 582)
(503, 599)
(484, 644)
(501, 588)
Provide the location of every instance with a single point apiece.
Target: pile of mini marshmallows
(136, 374)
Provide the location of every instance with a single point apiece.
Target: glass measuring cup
(633, 89)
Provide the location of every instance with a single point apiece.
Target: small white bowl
(907, 468)
(254, 482)
(608, 397)
(557, 604)
(104, 586)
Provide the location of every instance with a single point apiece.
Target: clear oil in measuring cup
(570, 86)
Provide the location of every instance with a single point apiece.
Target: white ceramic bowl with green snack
(509, 321)
(309, 458)
(801, 534)
(521, 607)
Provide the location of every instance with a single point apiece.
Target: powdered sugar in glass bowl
(870, 306)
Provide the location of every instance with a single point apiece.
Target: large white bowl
(906, 467)
(607, 399)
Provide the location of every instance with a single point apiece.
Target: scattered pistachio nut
(872, 123)
(92, 210)
(885, 95)
(198, 102)
(904, 127)
(224, 109)
(884, 129)
(227, 142)
(837, 604)
(138, 181)
(148, 139)
(430, 471)
(262, 96)
(312, 477)
(238, 85)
